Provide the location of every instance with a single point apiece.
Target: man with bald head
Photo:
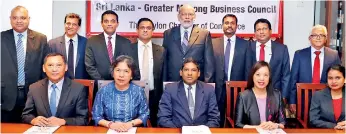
(310, 64)
(22, 54)
(187, 41)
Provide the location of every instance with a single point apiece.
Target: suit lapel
(272, 58)
(221, 50)
(66, 88)
(325, 63)
(11, 47)
(176, 38)
(103, 46)
(257, 114)
(307, 61)
(254, 56)
(237, 48)
(328, 101)
(157, 60)
(183, 99)
(135, 57)
(44, 96)
(342, 115)
(79, 49)
(193, 37)
(62, 46)
(198, 98)
(29, 47)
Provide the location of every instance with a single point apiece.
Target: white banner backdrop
(209, 15)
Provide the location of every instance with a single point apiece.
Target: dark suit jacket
(321, 109)
(36, 50)
(73, 103)
(279, 65)
(238, 64)
(58, 45)
(199, 48)
(301, 71)
(97, 62)
(247, 112)
(174, 110)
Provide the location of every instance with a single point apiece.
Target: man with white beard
(184, 41)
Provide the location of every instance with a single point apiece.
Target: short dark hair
(128, 60)
(52, 55)
(189, 60)
(74, 15)
(145, 19)
(337, 67)
(230, 15)
(262, 20)
(110, 12)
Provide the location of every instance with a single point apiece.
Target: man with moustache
(310, 64)
(72, 46)
(188, 40)
(102, 48)
(148, 58)
(230, 53)
(22, 54)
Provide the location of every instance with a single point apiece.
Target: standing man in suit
(22, 54)
(72, 46)
(56, 100)
(148, 58)
(188, 102)
(101, 48)
(229, 53)
(274, 53)
(188, 40)
(310, 64)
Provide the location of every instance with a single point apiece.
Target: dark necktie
(316, 71)
(227, 53)
(71, 59)
(110, 49)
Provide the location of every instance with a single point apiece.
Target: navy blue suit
(174, 110)
(279, 65)
(301, 71)
(58, 45)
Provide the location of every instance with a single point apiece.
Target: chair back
(232, 90)
(90, 85)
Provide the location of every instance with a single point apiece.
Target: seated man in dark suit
(56, 100)
(188, 102)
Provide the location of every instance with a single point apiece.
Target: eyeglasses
(73, 24)
(262, 29)
(143, 28)
(318, 36)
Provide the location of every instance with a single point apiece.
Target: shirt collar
(74, 38)
(186, 86)
(268, 43)
(106, 35)
(313, 49)
(59, 84)
(232, 38)
(140, 43)
(25, 33)
(182, 29)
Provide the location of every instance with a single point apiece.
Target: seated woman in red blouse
(327, 109)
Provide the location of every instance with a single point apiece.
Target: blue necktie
(20, 60)
(52, 100)
(185, 42)
(227, 53)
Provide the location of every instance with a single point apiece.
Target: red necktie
(261, 57)
(316, 71)
(110, 49)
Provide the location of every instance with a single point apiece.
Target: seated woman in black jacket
(260, 105)
(327, 109)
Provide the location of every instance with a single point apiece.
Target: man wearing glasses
(148, 58)
(310, 64)
(72, 46)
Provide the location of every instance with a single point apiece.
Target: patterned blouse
(114, 105)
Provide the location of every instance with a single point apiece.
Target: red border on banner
(160, 35)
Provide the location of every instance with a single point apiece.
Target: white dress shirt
(75, 48)
(182, 32)
(267, 51)
(58, 90)
(113, 41)
(313, 56)
(231, 54)
(151, 62)
(193, 91)
(24, 39)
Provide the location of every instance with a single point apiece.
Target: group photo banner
(164, 14)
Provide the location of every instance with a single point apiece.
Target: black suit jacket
(36, 50)
(199, 48)
(97, 62)
(247, 112)
(73, 103)
(241, 51)
(58, 45)
(321, 112)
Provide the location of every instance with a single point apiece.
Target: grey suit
(199, 48)
(36, 50)
(72, 107)
(97, 62)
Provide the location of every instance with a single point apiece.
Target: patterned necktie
(316, 71)
(52, 100)
(191, 102)
(110, 49)
(20, 60)
(227, 53)
(71, 59)
(261, 57)
(145, 63)
(185, 42)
